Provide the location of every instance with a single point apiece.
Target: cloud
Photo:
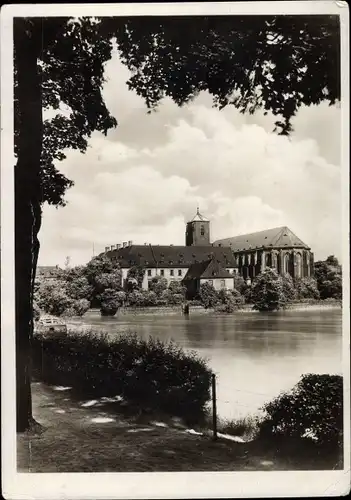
(144, 180)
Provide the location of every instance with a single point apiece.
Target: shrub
(238, 298)
(240, 284)
(78, 308)
(329, 278)
(230, 301)
(149, 298)
(109, 302)
(313, 410)
(52, 298)
(79, 288)
(135, 278)
(306, 288)
(158, 284)
(248, 295)
(208, 295)
(156, 375)
(177, 288)
(289, 290)
(142, 298)
(267, 291)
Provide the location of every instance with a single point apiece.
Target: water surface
(255, 355)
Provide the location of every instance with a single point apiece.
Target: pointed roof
(198, 217)
(276, 237)
(209, 269)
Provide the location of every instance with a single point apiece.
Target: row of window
(222, 283)
(162, 272)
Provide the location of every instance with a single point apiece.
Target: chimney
(113, 247)
(118, 246)
(130, 243)
(124, 244)
(107, 249)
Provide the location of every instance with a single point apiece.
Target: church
(200, 261)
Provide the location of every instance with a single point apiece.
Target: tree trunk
(27, 203)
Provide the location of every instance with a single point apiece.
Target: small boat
(50, 325)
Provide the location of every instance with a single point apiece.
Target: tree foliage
(158, 284)
(102, 274)
(274, 63)
(109, 302)
(229, 301)
(71, 71)
(135, 277)
(289, 289)
(328, 275)
(208, 295)
(307, 288)
(312, 410)
(267, 291)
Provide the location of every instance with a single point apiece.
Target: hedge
(157, 375)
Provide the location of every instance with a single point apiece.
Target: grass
(80, 438)
(246, 427)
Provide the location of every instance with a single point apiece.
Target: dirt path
(84, 436)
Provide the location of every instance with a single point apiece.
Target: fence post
(214, 407)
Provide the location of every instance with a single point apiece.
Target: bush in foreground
(312, 410)
(149, 372)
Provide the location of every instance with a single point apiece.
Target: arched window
(202, 230)
(268, 260)
(298, 266)
(286, 263)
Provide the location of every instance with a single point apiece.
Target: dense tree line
(270, 292)
(72, 291)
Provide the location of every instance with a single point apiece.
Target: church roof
(276, 237)
(198, 217)
(210, 269)
(169, 256)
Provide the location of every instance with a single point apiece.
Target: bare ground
(95, 438)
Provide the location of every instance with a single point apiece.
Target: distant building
(210, 271)
(200, 260)
(47, 272)
(173, 262)
(278, 248)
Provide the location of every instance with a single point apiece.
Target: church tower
(198, 231)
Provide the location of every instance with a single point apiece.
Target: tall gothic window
(286, 263)
(268, 260)
(298, 265)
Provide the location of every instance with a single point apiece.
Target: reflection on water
(255, 356)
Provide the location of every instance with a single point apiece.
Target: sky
(144, 180)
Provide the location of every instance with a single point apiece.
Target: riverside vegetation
(162, 378)
(72, 291)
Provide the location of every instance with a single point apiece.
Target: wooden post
(214, 406)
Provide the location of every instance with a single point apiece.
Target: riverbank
(88, 436)
(313, 305)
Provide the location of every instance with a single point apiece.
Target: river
(255, 355)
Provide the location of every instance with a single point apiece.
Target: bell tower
(198, 231)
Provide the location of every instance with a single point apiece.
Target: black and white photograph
(175, 250)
